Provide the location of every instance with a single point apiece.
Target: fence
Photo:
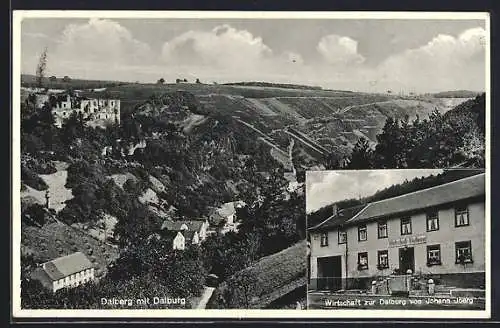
(401, 284)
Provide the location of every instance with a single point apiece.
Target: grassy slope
(277, 275)
(57, 239)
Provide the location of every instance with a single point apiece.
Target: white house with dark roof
(438, 231)
(185, 238)
(185, 232)
(67, 271)
(225, 216)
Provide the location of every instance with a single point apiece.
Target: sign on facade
(406, 241)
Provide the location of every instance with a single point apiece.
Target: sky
(373, 55)
(327, 187)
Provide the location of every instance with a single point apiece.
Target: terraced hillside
(333, 120)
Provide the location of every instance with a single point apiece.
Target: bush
(34, 214)
(32, 179)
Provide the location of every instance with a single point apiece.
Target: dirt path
(205, 297)
(58, 193)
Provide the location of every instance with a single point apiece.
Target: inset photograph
(397, 239)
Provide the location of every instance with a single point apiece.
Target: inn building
(438, 232)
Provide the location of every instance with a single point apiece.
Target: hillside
(29, 81)
(471, 112)
(56, 239)
(264, 282)
(334, 120)
(275, 85)
(182, 150)
(457, 94)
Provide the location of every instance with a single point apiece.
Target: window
(433, 255)
(406, 226)
(382, 229)
(362, 235)
(324, 239)
(461, 216)
(383, 259)
(363, 261)
(342, 237)
(463, 252)
(432, 221)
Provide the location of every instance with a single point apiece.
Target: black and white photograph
(160, 158)
(397, 239)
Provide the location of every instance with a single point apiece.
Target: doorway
(330, 273)
(406, 259)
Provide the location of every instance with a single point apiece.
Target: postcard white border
(17, 312)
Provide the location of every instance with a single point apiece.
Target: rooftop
(446, 193)
(193, 225)
(62, 267)
(342, 216)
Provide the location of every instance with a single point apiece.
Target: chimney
(334, 209)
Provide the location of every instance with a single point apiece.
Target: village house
(65, 272)
(185, 232)
(98, 111)
(225, 216)
(439, 232)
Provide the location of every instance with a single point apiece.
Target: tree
(185, 80)
(41, 67)
(66, 79)
(178, 80)
(361, 156)
(161, 81)
(240, 289)
(35, 215)
(198, 81)
(390, 146)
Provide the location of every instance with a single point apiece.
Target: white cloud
(445, 62)
(339, 50)
(98, 43)
(223, 46)
(104, 49)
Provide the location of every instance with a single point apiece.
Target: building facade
(437, 232)
(185, 238)
(98, 111)
(186, 232)
(65, 272)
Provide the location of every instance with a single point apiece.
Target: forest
(194, 168)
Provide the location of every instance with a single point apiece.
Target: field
(29, 81)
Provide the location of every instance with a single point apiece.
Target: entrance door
(406, 259)
(330, 273)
